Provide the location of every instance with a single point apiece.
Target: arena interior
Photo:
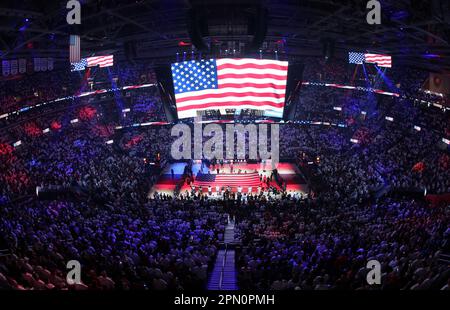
(94, 194)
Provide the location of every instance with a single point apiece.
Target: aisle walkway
(223, 275)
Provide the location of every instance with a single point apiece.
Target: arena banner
(22, 65)
(14, 67)
(44, 65)
(50, 64)
(37, 64)
(6, 69)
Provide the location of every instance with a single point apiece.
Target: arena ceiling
(415, 32)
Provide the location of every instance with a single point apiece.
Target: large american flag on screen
(227, 83)
(379, 59)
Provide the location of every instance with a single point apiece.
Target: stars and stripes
(243, 180)
(379, 59)
(74, 47)
(101, 61)
(229, 84)
(356, 58)
(79, 66)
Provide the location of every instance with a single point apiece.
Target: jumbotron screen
(227, 83)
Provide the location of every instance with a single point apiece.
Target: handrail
(223, 267)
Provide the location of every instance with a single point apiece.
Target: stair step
(224, 272)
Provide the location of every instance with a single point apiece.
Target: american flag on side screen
(74, 47)
(227, 83)
(79, 66)
(101, 61)
(233, 180)
(379, 59)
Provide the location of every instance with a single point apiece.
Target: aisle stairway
(229, 232)
(223, 275)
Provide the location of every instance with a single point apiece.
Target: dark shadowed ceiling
(416, 33)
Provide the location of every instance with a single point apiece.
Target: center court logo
(251, 136)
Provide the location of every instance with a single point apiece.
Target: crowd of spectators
(36, 88)
(287, 245)
(157, 245)
(128, 240)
